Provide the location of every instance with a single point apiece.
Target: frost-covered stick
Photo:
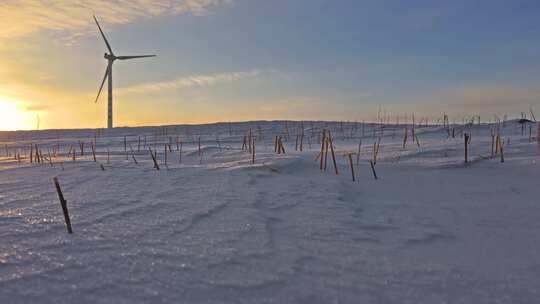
(32, 152)
(373, 169)
(139, 145)
(417, 141)
(405, 137)
(322, 147)
(282, 146)
(81, 146)
(275, 144)
(180, 153)
(250, 140)
(412, 130)
(165, 154)
(538, 135)
(133, 155)
(108, 156)
(352, 166)
(333, 154)
(377, 149)
(253, 151)
(296, 145)
(466, 147)
(50, 159)
(63, 202)
(199, 146)
(38, 159)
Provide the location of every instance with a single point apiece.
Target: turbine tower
(108, 75)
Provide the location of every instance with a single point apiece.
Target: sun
(12, 117)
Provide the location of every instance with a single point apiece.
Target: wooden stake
(253, 150)
(373, 169)
(63, 202)
(333, 154)
(322, 147)
(156, 166)
(466, 148)
(359, 152)
(94, 152)
(352, 166)
(502, 150)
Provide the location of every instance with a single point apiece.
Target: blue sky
(222, 60)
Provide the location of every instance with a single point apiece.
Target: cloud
(22, 17)
(188, 82)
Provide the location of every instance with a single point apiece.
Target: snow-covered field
(213, 228)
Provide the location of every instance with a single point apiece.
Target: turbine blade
(133, 57)
(103, 82)
(103, 35)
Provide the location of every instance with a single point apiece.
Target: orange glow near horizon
(12, 117)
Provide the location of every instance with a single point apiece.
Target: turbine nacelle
(109, 56)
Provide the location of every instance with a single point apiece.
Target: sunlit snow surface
(217, 229)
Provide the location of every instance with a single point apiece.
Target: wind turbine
(108, 74)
